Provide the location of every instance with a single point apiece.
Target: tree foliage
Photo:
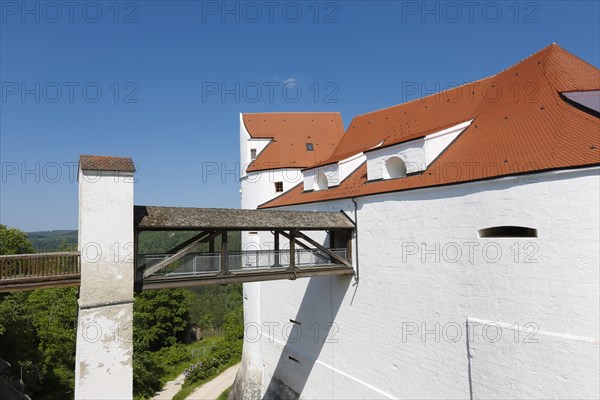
(37, 331)
(46, 241)
(14, 241)
(39, 340)
(160, 318)
(211, 303)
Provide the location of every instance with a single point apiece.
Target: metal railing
(40, 265)
(243, 261)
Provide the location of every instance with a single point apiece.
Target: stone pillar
(103, 364)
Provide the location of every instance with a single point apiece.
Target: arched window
(395, 167)
(321, 181)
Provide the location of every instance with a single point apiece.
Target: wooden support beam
(181, 253)
(323, 249)
(191, 240)
(224, 257)
(331, 241)
(277, 261)
(211, 250)
(139, 273)
(349, 248)
(293, 251)
(305, 247)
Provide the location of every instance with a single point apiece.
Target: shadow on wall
(313, 330)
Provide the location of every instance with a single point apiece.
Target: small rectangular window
(279, 186)
(253, 154)
(309, 147)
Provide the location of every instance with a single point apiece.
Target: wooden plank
(17, 285)
(241, 277)
(38, 255)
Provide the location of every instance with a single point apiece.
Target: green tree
(212, 303)
(160, 318)
(14, 241)
(39, 340)
(53, 314)
(233, 327)
(37, 331)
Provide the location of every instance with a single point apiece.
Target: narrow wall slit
(508, 232)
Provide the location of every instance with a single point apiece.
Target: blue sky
(164, 82)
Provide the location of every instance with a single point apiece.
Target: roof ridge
(291, 112)
(464, 84)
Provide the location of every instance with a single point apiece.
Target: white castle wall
(402, 332)
(257, 188)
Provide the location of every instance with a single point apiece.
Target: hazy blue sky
(145, 79)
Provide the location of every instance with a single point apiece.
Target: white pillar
(103, 364)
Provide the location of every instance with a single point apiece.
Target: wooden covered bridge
(294, 254)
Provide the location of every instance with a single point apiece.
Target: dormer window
(253, 154)
(395, 168)
(321, 181)
(415, 155)
(309, 147)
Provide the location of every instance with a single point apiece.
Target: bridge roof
(186, 218)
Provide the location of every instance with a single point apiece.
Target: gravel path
(171, 388)
(212, 389)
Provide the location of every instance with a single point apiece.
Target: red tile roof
(106, 163)
(521, 124)
(290, 133)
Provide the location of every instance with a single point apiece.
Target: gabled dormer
(402, 159)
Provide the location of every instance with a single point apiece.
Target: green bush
(224, 354)
(233, 326)
(173, 355)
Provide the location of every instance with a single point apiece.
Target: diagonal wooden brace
(323, 249)
(191, 244)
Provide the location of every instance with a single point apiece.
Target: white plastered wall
(104, 349)
(411, 277)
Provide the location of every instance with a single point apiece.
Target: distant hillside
(53, 240)
(150, 242)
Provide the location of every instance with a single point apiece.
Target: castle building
(476, 250)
